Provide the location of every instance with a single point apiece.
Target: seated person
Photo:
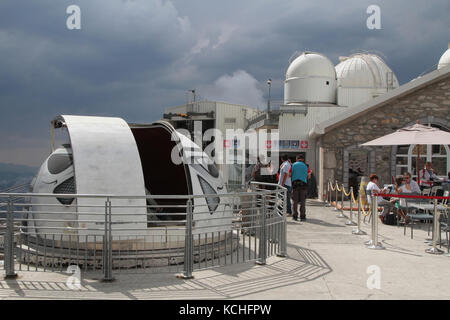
(409, 185)
(373, 187)
(427, 176)
(399, 183)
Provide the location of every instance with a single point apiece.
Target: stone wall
(431, 103)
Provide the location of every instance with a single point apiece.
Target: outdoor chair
(444, 223)
(435, 190)
(426, 192)
(414, 214)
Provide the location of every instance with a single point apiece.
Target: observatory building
(376, 105)
(315, 90)
(328, 110)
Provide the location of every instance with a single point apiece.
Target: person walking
(300, 187)
(285, 181)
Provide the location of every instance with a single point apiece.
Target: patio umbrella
(416, 134)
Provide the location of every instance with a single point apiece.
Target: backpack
(390, 219)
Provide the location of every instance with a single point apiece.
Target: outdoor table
(427, 206)
(437, 208)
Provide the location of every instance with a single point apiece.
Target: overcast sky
(132, 59)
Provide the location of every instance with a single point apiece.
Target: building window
(438, 155)
(440, 159)
(230, 120)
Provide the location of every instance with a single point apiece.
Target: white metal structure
(310, 78)
(362, 77)
(107, 157)
(445, 59)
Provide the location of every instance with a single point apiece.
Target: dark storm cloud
(134, 58)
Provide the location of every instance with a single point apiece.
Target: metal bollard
(107, 244)
(9, 242)
(373, 243)
(336, 198)
(283, 245)
(358, 230)
(262, 238)
(328, 198)
(188, 244)
(350, 222)
(341, 212)
(434, 249)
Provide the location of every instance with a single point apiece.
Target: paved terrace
(325, 262)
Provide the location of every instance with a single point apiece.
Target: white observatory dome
(310, 78)
(445, 59)
(362, 77)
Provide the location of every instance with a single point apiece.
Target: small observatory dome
(310, 78)
(445, 59)
(362, 77)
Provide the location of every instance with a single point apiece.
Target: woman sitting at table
(401, 214)
(409, 185)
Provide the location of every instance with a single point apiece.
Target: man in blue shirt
(300, 187)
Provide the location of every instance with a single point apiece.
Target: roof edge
(415, 84)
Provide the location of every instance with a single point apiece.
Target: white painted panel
(352, 97)
(106, 161)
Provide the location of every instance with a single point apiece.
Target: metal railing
(158, 233)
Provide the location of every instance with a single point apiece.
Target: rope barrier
(353, 197)
(337, 187)
(347, 194)
(369, 212)
(331, 187)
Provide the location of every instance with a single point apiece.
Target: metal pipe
(328, 198)
(336, 198)
(434, 249)
(188, 245)
(107, 256)
(283, 244)
(350, 222)
(341, 212)
(9, 243)
(262, 238)
(374, 244)
(358, 230)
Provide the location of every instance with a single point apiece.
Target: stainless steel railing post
(263, 237)
(188, 244)
(336, 198)
(350, 222)
(283, 247)
(358, 230)
(328, 197)
(341, 212)
(373, 243)
(107, 256)
(434, 249)
(9, 242)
